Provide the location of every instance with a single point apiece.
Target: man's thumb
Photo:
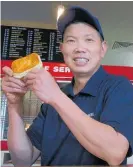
(7, 71)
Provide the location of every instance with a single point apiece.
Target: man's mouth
(80, 60)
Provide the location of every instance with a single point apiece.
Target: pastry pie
(22, 66)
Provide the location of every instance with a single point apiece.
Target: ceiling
(116, 17)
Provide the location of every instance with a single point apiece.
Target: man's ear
(61, 47)
(104, 48)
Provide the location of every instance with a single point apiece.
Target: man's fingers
(15, 90)
(30, 82)
(13, 85)
(14, 80)
(7, 71)
(30, 75)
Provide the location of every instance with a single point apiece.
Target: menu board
(17, 42)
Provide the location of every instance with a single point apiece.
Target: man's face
(82, 49)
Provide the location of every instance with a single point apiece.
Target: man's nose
(79, 50)
(80, 47)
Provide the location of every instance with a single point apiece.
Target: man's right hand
(23, 153)
(13, 88)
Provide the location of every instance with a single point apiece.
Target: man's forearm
(98, 138)
(19, 145)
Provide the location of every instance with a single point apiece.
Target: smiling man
(90, 122)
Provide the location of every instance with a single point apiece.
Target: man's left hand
(42, 84)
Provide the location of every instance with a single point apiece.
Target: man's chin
(80, 73)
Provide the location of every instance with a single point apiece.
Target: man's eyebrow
(86, 35)
(92, 35)
(89, 35)
(69, 36)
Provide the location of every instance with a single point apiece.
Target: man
(90, 122)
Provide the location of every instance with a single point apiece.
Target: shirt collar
(91, 86)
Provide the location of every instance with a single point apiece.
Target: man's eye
(70, 41)
(89, 40)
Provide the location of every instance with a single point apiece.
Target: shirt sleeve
(35, 131)
(118, 111)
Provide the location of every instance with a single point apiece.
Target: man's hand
(42, 84)
(13, 88)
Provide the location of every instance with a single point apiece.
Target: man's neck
(79, 84)
(81, 80)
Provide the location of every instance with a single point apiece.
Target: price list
(5, 43)
(20, 41)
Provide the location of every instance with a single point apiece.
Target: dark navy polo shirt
(106, 98)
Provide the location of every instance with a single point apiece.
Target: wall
(115, 17)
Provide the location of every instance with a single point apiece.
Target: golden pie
(22, 66)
